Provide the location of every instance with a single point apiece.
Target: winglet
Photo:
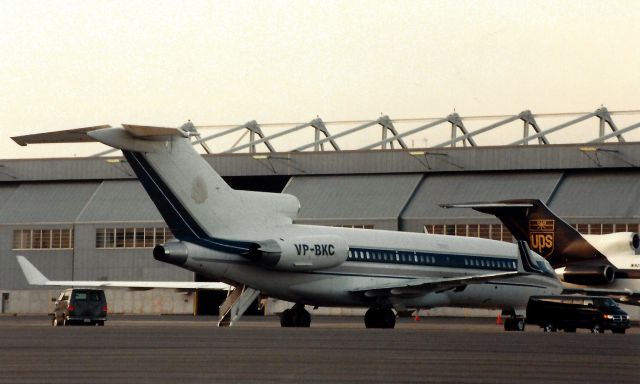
(33, 275)
(526, 264)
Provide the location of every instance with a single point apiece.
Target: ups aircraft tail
(532, 221)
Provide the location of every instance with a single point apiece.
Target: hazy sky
(69, 64)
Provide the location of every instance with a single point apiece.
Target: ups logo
(542, 236)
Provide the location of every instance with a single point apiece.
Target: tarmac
(185, 349)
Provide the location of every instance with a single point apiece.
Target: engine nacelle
(177, 252)
(305, 253)
(588, 275)
(618, 243)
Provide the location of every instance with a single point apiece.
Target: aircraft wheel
(295, 317)
(597, 328)
(377, 317)
(286, 318)
(388, 318)
(549, 328)
(301, 318)
(514, 324)
(372, 318)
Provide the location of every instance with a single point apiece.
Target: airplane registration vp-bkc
(248, 239)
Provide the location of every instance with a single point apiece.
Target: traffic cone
(499, 319)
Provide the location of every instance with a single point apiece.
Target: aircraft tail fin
(192, 197)
(532, 221)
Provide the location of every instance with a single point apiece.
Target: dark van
(80, 306)
(569, 312)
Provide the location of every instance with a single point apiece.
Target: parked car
(569, 312)
(80, 306)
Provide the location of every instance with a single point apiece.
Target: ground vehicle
(569, 312)
(80, 306)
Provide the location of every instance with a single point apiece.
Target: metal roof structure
(424, 160)
(460, 134)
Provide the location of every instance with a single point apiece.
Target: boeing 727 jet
(248, 239)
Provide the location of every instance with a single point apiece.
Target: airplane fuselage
(383, 257)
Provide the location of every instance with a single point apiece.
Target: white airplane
(248, 239)
(606, 264)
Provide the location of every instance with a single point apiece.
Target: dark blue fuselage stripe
(180, 221)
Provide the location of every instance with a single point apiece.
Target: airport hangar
(90, 219)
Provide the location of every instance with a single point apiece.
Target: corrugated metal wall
(473, 187)
(47, 202)
(606, 197)
(119, 201)
(374, 200)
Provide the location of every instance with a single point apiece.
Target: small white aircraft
(606, 264)
(248, 239)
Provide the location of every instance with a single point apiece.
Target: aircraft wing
(622, 296)
(425, 285)
(35, 277)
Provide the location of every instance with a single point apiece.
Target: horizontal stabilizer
(142, 131)
(35, 277)
(78, 135)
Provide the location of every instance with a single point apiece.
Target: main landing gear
(513, 322)
(380, 317)
(295, 316)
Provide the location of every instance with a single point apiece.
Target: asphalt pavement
(183, 349)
